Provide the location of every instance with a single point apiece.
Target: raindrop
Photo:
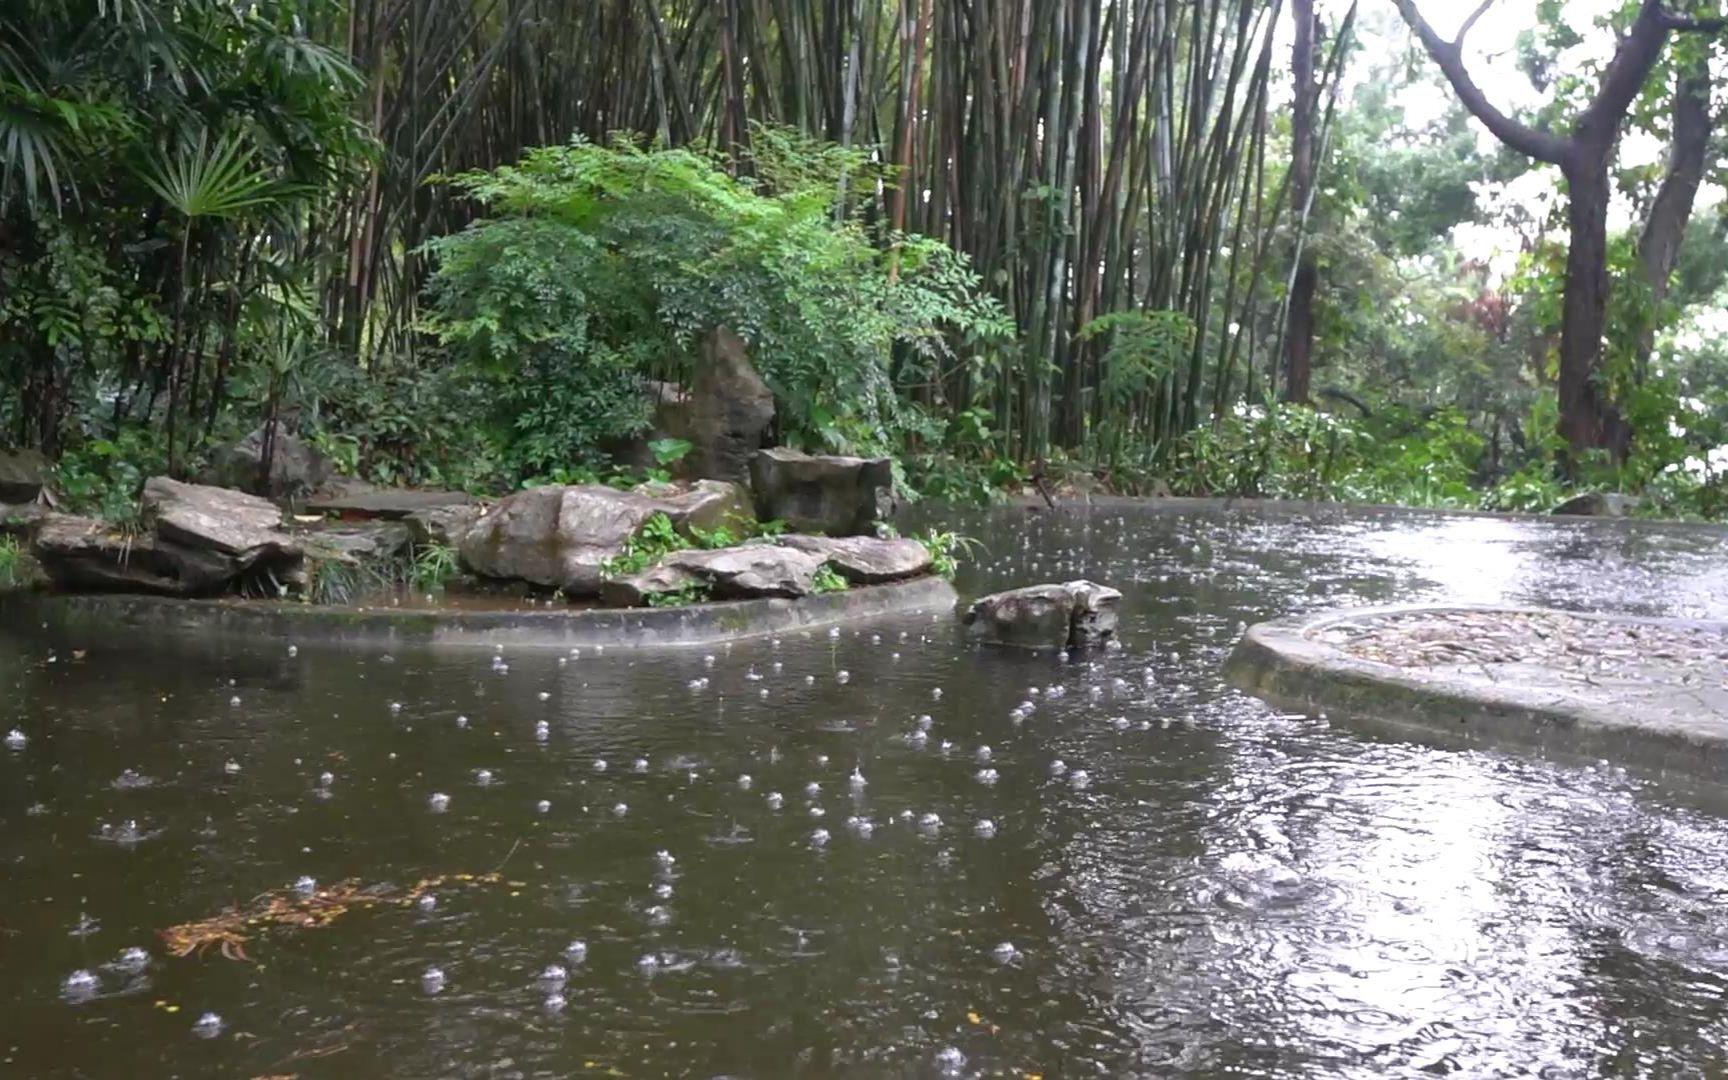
(439, 803)
(132, 959)
(207, 1026)
(16, 739)
(81, 985)
(482, 776)
(619, 809)
(576, 951)
(432, 980)
(544, 806)
(305, 885)
(745, 781)
(985, 828)
(819, 838)
(554, 975)
(775, 800)
(1004, 953)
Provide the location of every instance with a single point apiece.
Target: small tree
(1589, 416)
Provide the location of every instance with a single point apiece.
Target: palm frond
(204, 179)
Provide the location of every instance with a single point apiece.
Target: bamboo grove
(1104, 164)
(1090, 156)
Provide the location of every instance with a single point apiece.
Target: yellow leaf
(974, 1018)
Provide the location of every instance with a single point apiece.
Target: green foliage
(104, 477)
(157, 162)
(603, 265)
(946, 549)
(11, 563)
(828, 580)
(657, 538)
(695, 592)
(433, 565)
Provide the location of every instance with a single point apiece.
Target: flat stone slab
(144, 618)
(389, 503)
(1647, 692)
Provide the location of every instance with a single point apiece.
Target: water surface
(1235, 891)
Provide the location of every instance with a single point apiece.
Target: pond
(1110, 867)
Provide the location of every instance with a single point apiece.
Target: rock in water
(730, 409)
(296, 466)
(1609, 504)
(837, 496)
(865, 560)
(1076, 615)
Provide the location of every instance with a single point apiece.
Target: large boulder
(839, 496)
(865, 560)
(752, 570)
(561, 537)
(195, 541)
(83, 554)
(1075, 615)
(297, 467)
(729, 412)
(1609, 504)
(244, 527)
(706, 505)
(23, 474)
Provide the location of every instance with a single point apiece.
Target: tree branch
(1541, 145)
(1471, 21)
(1685, 24)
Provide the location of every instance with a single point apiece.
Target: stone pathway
(1585, 650)
(1646, 691)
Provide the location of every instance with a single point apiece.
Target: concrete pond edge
(374, 627)
(1285, 663)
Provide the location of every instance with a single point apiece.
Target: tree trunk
(1588, 419)
(1665, 228)
(1299, 324)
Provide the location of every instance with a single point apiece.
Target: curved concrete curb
(706, 624)
(1660, 727)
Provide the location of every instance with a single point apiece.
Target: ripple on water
(1204, 887)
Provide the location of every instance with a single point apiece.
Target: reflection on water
(779, 872)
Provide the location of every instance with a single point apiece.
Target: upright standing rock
(836, 496)
(730, 409)
(296, 466)
(22, 475)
